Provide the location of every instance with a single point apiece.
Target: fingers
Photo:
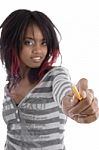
(86, 115)
(92, 108)
(82, 84)
(86, 118)
(83, 104)
(68, 103)
(85, 110)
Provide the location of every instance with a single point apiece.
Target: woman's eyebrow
(28, 38)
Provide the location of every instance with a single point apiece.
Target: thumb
(82, 86)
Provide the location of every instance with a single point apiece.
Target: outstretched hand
(84, 111)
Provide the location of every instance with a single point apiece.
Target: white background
(78, 22)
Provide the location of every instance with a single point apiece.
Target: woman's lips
(36, 59)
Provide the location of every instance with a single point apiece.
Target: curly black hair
(13, 29)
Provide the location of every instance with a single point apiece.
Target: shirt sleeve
(61, 84)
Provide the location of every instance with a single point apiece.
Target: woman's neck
(24, 71)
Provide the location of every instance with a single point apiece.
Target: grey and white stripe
(37, 123)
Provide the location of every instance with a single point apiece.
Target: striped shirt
(37, 123)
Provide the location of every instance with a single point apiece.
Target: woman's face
(34, 48)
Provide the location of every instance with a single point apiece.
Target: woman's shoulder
(58, 69)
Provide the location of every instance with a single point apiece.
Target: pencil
(75, 91)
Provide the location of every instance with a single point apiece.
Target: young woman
(38, 96)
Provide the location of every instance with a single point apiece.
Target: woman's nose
(36, 49)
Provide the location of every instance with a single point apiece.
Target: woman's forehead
(33, 30)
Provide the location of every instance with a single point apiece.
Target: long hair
(12, 30)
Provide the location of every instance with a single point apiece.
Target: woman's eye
(29, 42)
(44, 43)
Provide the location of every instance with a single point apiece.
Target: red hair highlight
(14, 65)
(47, 65)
